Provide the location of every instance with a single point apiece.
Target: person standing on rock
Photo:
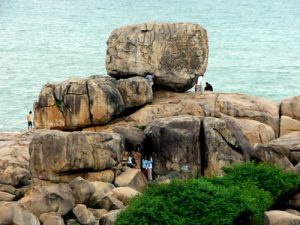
(29, 120)
(149, 168)
(198, 86)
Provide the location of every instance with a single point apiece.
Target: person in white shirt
(198, 86)
(149, 168)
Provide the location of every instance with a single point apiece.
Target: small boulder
(56, 198)
(124, 194)
(4, 196)
(275, 217)
(83, 215)
(109, 202)
(109, 218)
(101, 189)
(82, 190)
(15, 213)
(51, 219)
(288, 125)
(133, 178)
(15, 176)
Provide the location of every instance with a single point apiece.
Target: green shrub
(240, 197)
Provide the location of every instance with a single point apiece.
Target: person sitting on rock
(131, 161)
(208, 87)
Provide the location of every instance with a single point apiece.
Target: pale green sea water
(254, 45)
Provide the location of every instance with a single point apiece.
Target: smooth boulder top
(175, 53)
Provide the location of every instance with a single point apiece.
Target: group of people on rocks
(134, 159)
(198, 85)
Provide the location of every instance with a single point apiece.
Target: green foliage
(240, 197)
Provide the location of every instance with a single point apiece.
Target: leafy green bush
(240, 197)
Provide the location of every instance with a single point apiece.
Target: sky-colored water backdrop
(254, 45)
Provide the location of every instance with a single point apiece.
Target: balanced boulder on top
(175, 53)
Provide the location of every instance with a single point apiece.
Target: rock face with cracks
(57, 153)
(174, 52)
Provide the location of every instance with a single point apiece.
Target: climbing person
(131, 160)
(198, 86)
(29, 120)
(208, 87)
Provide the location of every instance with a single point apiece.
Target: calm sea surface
(254, 45)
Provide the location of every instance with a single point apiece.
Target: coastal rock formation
(291, 107)
(288, 125)
(222, 147)
(56, 153)
(15, 213)
(51, 219)
(78, 103)
(174, 52)
(56, 198)
(135, 91)
(283, 151)
(175, 145)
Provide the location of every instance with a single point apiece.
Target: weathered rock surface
(15, 213)
(4, 196)
(288, 125)
(123, 194)
(82, 190)
(222, 146)
(256, 132)
(135, 91)
(56, 153)
(83, 215)
(77, 103)
(101, 189)
(109, 202)
(106, 101)
(109, 218)
(175, 143)
(291, 107)
(15, 176)
(56, 198)
(276, 217)
(133, 136)
(282, 151)
(133, 178)
(51, 219)
(173, 52)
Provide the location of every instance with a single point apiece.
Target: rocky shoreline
(70, 169)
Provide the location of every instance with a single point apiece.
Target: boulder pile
(70, 169)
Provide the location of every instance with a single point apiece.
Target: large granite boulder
(256, 132)
(291, 107)
(82, 190)
(15, 213)
(124, 194)
(175, 143)
(56, 198)
(101, 188)
(174, 52)
(77, 103)
(282, 152)
(167, 104)
(288, 125)
(106, 101)
(224, 145)
(54, 154)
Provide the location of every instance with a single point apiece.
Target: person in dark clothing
(208, 87)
